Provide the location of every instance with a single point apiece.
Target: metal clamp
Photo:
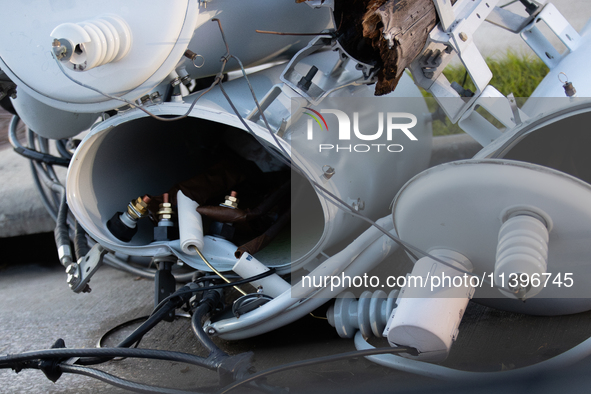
(79, 273)
(331, 80)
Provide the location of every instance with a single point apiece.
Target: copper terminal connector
(231, 200)
(165, 212)
(138, 208)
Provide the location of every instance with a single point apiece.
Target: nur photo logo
(390, 125)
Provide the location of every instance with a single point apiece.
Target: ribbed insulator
(369, 314)
(95, 42)
(522, 249)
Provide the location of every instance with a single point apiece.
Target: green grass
(512, 73)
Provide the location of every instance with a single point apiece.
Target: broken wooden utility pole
(388, 34)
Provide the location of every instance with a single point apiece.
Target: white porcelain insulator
(95, 42)
(522, 256)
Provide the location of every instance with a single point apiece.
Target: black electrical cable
(205, 339)
(119, 382)
(62, 233)
(31, 153)
(118, 327)
(137, 334)
(80, 242)
(15, 360)
(61, 148)
(220, 286)
(161, 311)
(315, 361)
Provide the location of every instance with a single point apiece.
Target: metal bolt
(155, 97)
(328, 171)
(71, 269)
(231, 200)
(86, 289)
(463, 36)
(144, 99)
(211, 331)
(175, 82)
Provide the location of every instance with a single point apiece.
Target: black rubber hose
(62, 233)
(80, 242)
(136, 335)
(214, 351)
(31, 153)
(119, 382)
(61, 148)
(12, 360)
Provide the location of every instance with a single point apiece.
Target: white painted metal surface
(155, 50)
(159, 33)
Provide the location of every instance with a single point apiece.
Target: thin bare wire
(218, 273)
(217, 79)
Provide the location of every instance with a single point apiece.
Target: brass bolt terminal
(138, 208)
(165, 212)
(231, 201)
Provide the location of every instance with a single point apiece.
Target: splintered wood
(398, 30)
(388, 34)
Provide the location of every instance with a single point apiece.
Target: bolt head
(71, 269)
(463, 36)
(211, 331)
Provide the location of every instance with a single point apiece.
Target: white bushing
(190, 224)
(522, 256)
(429, 310)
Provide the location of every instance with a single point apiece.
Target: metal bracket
(446, 40)
(536, 40)
(445, 12)
(79, 273)
(309, 86)
(315, 89)
(502, 108)
(509, 20)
